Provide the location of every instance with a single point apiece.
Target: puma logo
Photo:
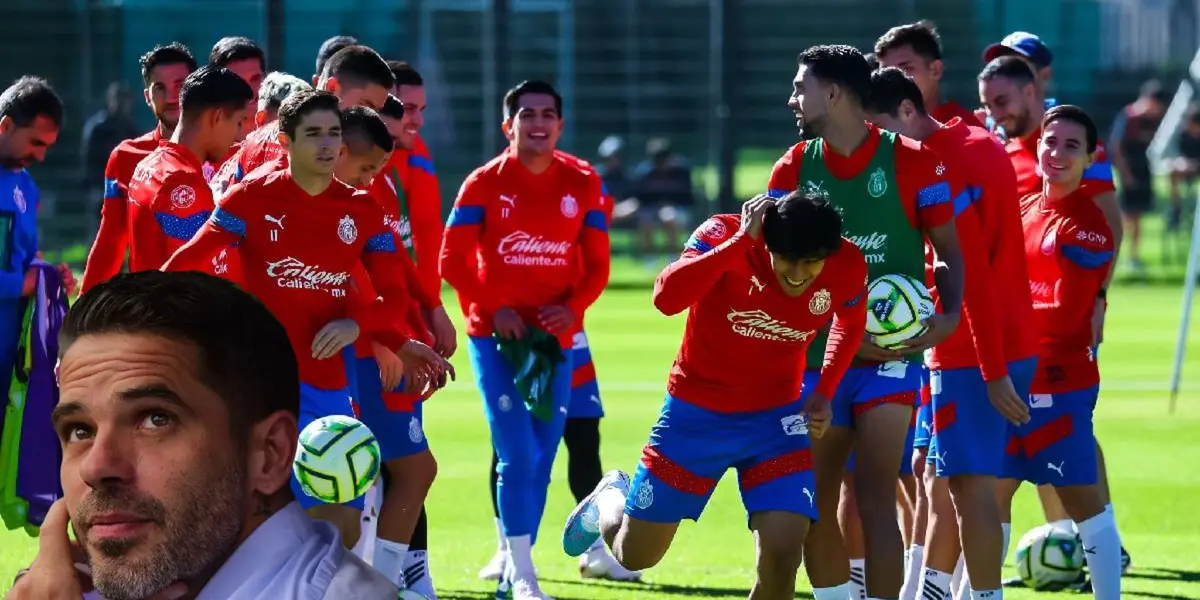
(278, 221)
(755, 284)
(1056, 468)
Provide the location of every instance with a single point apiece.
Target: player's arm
(389, 282)
(460, 243)
(786, 173)
(1099, 177)
(595, 253)
(849, 321)
(13, 283)
(979, 308)
(225, 228)
(715, 247)
(1085, 257)
(181, 207)
(425, 218)
(112, 239)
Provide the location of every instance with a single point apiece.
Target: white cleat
(525, 587)
(494, 570)
(597, 563)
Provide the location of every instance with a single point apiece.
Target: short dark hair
(29, 98)
(212, 87)
(803, 225)
(392, 108)
(839, 64)
(302, 103)
(234, 48)
(244, 352)
(872, 60)
(1009, 67)
(405, 73)
(921, 36)
(1074, 114)
(362, 129)
(359, 66)
(330, 47)
(890, 87)
(166, 54)
(512, 99)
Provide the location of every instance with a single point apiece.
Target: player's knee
(780, 552)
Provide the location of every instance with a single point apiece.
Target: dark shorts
(1136, 200)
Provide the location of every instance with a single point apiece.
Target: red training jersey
(112, 239)
(524, 241)
(948, 111)
(169, 202)
(996, 216)
(261, 146)
(746, 339)
(1023, 152)
(297, 252)
(413, 170)
(1069, 249)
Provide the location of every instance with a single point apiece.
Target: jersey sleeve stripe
(181, 228)
(855, 300)
(596, 219)
(462, 216)
(604, 189)
(229, 222)
(933, 195)
(112, 190)
(1099, 171)
(1085, 257)
(423, 163)
(964, 200)
(777, 193)
(381, 242)
(696, 244)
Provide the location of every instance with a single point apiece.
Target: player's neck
(1054, 192)
(189, 138)
(924, 127)
(164, 132)
(312, 183)
(845, 138)
(933, 100)
(536, 163)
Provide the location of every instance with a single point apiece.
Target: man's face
(902, 122)
(1009, 104)
(23, 146)
(795, 274)
(413, 97)
(358, 169)
(227, 128)
(536, 126)
(927, 73)
(163, 94)
(809, 102)
(317, 143)
(250, 70)
(155, 485)
(371, 95)
(1062, 152)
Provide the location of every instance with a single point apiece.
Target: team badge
(569, 206)
(504, 403)
(940, 169)
(347, 230)
(715, 229)
(644, 496)
(19, 200)
(819, 303)
(183, 197)
(415, 434)
(877, 183)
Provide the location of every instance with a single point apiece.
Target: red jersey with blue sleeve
(261, 146)
(169, 202)
(524, 241)
(1069, 249)
(414, 173)
(948, 111)
(112, 239)
(1023, 152)
(297, 252)
(996, 215)
(745, 340)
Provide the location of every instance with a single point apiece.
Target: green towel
(14, 510)
(535, 359)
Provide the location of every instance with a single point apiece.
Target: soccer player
(169, 201)
(911, 199)
(245, 58)
(916, 48)
(1030, 49)
(966, 450)
(328, 48)
(757, 288)
(526, 245)
(276, 87)
(163, 70)
(1069, 248)
(299, 233)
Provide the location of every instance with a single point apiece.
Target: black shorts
(1136, 200)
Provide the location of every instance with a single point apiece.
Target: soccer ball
(337, 459)
(1049, 558)
(897, 305)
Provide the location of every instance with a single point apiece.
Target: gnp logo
(520, 248)
(757, 324)
(293, 273)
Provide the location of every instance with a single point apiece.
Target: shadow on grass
(1157, 574)
(664, 588)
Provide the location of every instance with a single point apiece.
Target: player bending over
(1069, 251)
(757, 288)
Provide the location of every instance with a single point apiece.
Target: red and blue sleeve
(595, 252)
(785, 175)
(1099, 176)
(713, 248)
(425, 217)
(225, 228)
(112, 239)
(1084, 258)
(181, 207)
(385, 265)
(849, 320)
(460, 243)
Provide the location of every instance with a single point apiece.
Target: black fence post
(723, 35)
(275, 33)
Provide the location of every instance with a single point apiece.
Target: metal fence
(712, 75)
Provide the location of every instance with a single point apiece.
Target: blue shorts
(1058, 446)
(585, 392)
(400, 433)
(314, 404)
(811, 378)
(864, 388)
(690, 448)
(924, 418)
(968, 432)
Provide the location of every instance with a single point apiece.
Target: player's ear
(6, 125)
(330, 85)
(272, 446)
(260, 118)
(936, 69)
(146, 97)
(505, 127)
(284, 140)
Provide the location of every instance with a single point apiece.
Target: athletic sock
(1108, 508)
(837, 592)
(1006, 531)
(520, 553)
(987, 595)
(912, 575)
(1064, 525)
(963, 590)
(956, 578)
(389, 560)
(416, 573)
(1102, 546)
(935, 585)
(501, 541)
(858, 578)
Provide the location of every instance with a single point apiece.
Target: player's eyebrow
(142, 392)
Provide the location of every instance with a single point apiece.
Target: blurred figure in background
(1132, 132)
(276, 87)
(1184, 168)
(101, 133)
(663, 186)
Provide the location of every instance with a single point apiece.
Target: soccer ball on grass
(337, 459)
(897, 306)
(1049, 558)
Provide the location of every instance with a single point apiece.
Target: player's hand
(391, 368)
(68, 279)
(30, 286)
(445, 338)
(752, 214)
(938, 328)
(819, 414)
(869, 351)
(1098, 321)
(556, 318)
(509, 324)
(334, 336)
(1007, 401)
(418, 357)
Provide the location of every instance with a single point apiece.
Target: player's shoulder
(718, 228)
(793, 153)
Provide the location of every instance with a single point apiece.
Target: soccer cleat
(494, 570)
(417, 576)
(583, 524)
(1126, 561)
(597, 563)
(525, 587)
(1013, 582)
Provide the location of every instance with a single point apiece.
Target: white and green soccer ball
(1049, 558)
(337, 459)
(897, 306)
